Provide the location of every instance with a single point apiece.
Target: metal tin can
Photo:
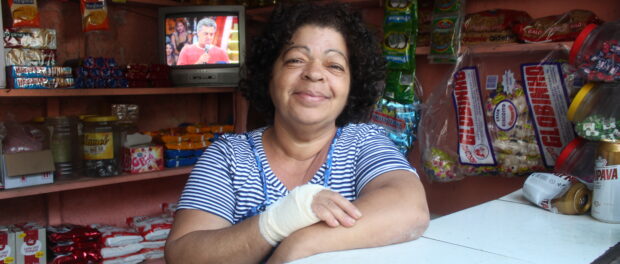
(606, 198)
(577, 200)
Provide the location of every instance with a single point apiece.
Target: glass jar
(101, 146)
(596, 113)
(596, 52)
(79, 164)
(63, 143)
(577, 159)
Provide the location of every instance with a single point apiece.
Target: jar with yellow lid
(596, 112)
(101, 146)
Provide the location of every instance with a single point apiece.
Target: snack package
(94, 15)
(400, 31)
(564, 27)
(446, 24)
(152, 228)
(38, 71)
(495, 20)
(399, 120)
(24, 13)
(30, 57)
(41, 83)
(112, 236)
(33, 38)
(508, 117)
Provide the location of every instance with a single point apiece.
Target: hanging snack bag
(563, 27)
(400, 27)
(24, 13)
(448, 17)
(400, 87)
(399, 120)
(94, 15)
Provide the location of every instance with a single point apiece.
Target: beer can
(606, 191)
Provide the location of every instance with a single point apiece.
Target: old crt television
(204, 45)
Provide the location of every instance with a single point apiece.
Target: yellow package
(94, 15)
(24, 13)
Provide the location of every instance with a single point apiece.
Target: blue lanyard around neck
(261, 168)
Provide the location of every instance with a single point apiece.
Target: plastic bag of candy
(505, 115)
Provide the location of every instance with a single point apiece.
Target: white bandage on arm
(289, 214)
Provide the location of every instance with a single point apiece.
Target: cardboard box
(143, 158)
(7, 246)
(30, 244)
(26, 168)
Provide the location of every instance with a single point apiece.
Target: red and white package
(113, 252)
(169, 208)
(153, 253)
(72, 233)
(30, 244)
(78, 257)
(113, 236)
(125, 259)
(152, 227)
(69, 247)
(153, 244)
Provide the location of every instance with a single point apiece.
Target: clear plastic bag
(497, 114)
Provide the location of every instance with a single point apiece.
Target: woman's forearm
(240, 243)
(394, 210)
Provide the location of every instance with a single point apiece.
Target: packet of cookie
(94, 15)
(400, 30)
(24, 13)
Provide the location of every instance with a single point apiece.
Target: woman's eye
(293, 61)
(337, 67)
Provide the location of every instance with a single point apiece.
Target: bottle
(606, 198)
(63, 141)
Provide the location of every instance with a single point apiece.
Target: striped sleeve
(377, 155)
(209, 187)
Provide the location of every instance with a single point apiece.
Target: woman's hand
(335, 210)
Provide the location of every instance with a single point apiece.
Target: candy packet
(24, 13)
(94, 15)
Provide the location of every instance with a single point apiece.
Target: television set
(203, 45)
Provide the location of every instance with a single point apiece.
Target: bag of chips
(24, 13)
(94, 15)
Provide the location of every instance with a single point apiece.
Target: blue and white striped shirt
(226, 182)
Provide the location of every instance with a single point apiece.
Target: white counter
(506, 230)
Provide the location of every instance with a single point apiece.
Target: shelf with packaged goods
(151, 2)
(506, 48)
(112, 91)
(88, 182)
(262, 13)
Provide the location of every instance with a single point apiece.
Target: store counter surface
(506, 230)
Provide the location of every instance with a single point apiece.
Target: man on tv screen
(203, 52)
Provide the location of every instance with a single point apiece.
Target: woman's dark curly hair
(365, 57)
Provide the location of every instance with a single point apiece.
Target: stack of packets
(398, 110)
(148, 75)
(39, 77)
(184, 145)
(446, 24)
(73, 244)
(120, 244)
(100, 72)
(24, 243)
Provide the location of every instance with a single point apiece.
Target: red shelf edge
(112, 91)
(506, 48)
(83, 183)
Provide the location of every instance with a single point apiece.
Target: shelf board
(111, 91)
(262, 14)
(153, 2)
(507, 48)
(81, 183)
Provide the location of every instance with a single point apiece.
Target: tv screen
(203, 44)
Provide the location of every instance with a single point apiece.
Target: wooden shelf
(112, 91)
(507, 48)
(82, 183)
(262, 13)
(153, 2)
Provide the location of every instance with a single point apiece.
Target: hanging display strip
(474, 144)
(548, 103)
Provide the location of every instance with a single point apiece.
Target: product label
(389, 122)
(505, 115)
(98, 146)
(606, 192)
(4, 253)
(542, 188)
(548, 103)
(474, 145)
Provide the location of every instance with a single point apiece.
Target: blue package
(174, 163)
(175, 154)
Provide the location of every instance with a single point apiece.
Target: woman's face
(168, 49)
(311, 77)
(180, 27)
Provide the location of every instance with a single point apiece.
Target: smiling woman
(317, 177)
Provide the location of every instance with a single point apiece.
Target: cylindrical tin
(577, 200)
(606, 198)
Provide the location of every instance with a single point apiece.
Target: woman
(171, 58)
(315, 179)
(180, 37)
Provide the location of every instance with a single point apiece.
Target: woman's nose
(313, 72)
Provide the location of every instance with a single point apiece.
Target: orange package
(24, 13)
(94, 15)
